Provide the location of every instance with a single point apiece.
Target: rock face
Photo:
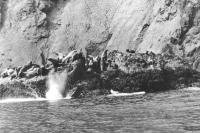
(35, 29)
(72, 75)
(32, 88)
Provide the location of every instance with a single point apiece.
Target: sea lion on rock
(28, 71)
(14, 74)
(103, 60)
(8, 72)
(43, 71)
(97, 64)
(18, 69)
(130, 51)
(60, 56)
(112, 65)
(32, 72)
(55, 63)
(109, 65)
(71, 55)
(24, 68)
(90, 64)
(93, 64)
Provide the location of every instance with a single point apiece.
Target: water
(174, 111)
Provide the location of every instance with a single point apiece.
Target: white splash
(16, 100)
(118, 94)
(192, 89)
(68, 96)
(56, 85)
(21, 100)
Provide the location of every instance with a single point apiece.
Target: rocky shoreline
(87, 76)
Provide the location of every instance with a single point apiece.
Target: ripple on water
(173, 111)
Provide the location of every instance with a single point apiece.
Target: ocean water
(173, 111)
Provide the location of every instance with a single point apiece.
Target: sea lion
(60, 56)
(24, 68)
(70, 56)
(94, 64)
(97, 64)
(54, 62)
(7, 72)
(32, 72)
(130, 51)
(43, 71)
(103, 60)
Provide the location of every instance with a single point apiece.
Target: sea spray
(56, 85)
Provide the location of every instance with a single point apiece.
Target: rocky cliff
(35, 29)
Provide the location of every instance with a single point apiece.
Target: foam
(16, 100)
(118, 94)
(192, 89)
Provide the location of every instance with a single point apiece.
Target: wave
(19, 100)
(16, 100)
(192, 89)
(118, 94)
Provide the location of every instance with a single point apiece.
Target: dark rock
(91, 85)
(33, 88)
(130, 51)
(149, 80)
(168, 2)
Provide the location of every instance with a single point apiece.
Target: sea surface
(172, 111)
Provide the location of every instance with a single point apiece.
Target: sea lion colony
(96, 64)
(91, 76)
